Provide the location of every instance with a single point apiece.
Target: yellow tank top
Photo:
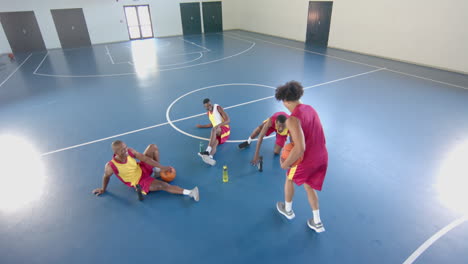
(215, 117)
(129, 172)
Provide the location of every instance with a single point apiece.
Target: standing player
(307, 134)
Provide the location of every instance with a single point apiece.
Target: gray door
(191, 19)
(22, 31)
(71, 27)
(212, 17)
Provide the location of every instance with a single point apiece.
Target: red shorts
(146, 179)
(280, 140)
(225, 132)
(313, 176)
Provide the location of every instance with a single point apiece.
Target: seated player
(276, 123)
(219, 133)
(138, 174)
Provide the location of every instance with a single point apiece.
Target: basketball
(168, 176)
(285, 153)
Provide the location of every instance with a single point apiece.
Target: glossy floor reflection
(396, 135)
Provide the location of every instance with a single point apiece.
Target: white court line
(229, 107)
(193, 43)
(434, 238)
(42, 61)
(424, 78)
(109, 54)
(241, 104)
(193, 116)
(185, 62)
(179, 54)
(134, 73)
(339, 58)
(11, 74)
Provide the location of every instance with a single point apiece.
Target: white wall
(106, 19)
(429, 32)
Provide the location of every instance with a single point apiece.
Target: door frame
(139, 25)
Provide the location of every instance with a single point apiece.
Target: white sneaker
(195, 194)
(207, 159)
(282, 209)
(317, 227)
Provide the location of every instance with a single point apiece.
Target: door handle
(24, 31)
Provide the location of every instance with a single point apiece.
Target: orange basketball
(169, 175)
(285, 153)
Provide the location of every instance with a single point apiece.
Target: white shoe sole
(207, 159)
(289, 217)
(318, 230)
(196, 195)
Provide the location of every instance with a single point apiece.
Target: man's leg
(277, 149)
(158, 185)
(152, 151)
(254, 135)
(214, 141)
(207, 156)
(315, 223)
(286, 207)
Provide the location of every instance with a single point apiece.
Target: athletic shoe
(244, 144)
(206, 158)
(280, 206)
(138, 190)
(317, 227)
(195, 194)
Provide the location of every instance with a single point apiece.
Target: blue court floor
(397, 136)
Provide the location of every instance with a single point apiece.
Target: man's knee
(277, 149)
(158, 185)
(153, 147)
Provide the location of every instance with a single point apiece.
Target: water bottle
(260, 164)
(225, 174)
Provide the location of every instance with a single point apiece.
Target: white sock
(156, 169)
(316, 216)
(249, 140)
(288, 206)
(208, 149)
(187, 192)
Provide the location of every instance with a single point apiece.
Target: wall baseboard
(276, 36)
(368, 54)
(399, 60)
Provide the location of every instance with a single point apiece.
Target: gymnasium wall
(428, 32)
(106, 19)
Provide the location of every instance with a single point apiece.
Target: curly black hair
(291, 91)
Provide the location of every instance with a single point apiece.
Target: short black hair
(291, 91)
(116, 143)
(206, 100)
(281, 119)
